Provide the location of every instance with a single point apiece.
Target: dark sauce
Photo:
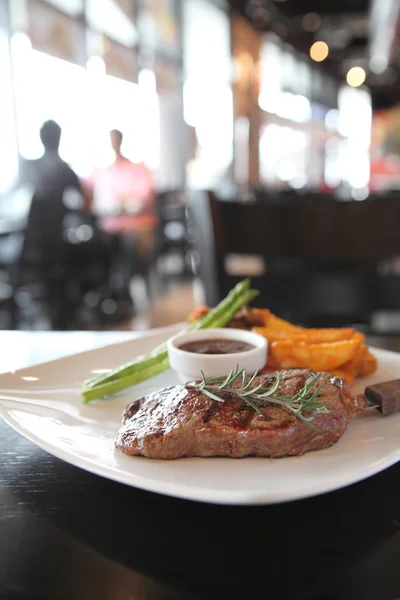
(214, 346)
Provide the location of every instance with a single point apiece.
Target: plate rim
(133, 336)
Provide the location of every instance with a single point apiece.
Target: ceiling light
(319, 51)
(356, 76)
(311, 21)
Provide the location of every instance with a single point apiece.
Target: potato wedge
(319, 357)
(320, 336)
(273, 334)
(353, 366)
(274, 322)
(314, 336)
(339, 351)
(368, 365)
(196, 314)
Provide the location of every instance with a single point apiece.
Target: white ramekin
(189, 365)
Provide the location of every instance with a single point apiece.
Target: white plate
(42, 403)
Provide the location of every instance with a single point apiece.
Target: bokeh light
(319, 51)
(356, 76)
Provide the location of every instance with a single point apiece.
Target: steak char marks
(180, 421)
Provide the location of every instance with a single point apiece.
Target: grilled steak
(179, 421)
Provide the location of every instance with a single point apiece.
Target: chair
(173, 232)
(223, 228)
(63, 258)
(11, 241)
(321, 261)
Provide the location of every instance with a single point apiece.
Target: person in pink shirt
(122, 187)
(124, 200)
(129, 184)
(124, 193)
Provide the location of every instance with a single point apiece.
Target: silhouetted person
(49, 173)
(62, 243)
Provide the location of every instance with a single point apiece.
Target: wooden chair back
(319, 259)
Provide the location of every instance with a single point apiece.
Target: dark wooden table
(67, 534)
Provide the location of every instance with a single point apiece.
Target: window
(8, 142)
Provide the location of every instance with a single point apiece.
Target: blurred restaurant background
(248, 138)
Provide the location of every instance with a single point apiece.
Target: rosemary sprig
(257, 396)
